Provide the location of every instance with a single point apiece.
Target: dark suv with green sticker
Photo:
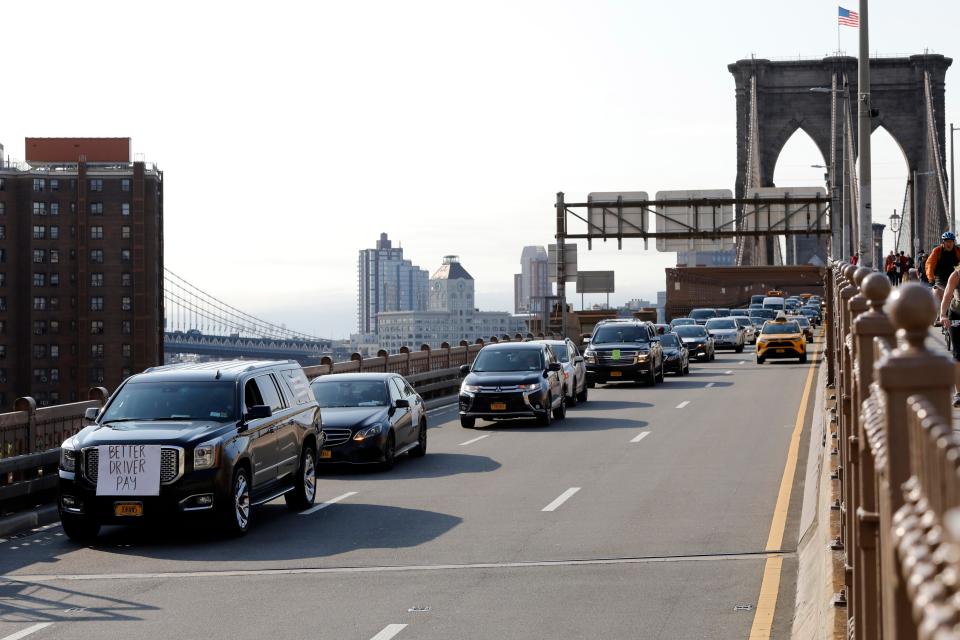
(624, 351)
(193, 439)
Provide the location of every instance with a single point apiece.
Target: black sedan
(370, 418)
(697, 341)
(676, 357)
(512, 380)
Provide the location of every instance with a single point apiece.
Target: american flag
(849, 18)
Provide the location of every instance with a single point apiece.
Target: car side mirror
(258, 412)
(90, 414)
(401, 403)
(586, 341)
(464, 370)
(554, 366)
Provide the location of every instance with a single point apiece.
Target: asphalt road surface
(644, 514)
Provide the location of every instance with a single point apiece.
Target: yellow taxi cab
(781, 338)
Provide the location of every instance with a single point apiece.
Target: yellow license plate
(498, 406)
(616, 374)
(326, 453)
(128, 509)
(781, 350)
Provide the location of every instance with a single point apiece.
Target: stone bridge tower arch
(784, 103)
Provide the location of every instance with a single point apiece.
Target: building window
(3, 205)
(125, 209)
(125, 233)
(96, 279)
(54, 326)
(39, 327)
(39, 208)
(125, 184)
(96, 232)
(39, 351)
(39, 279)
(54, 351)
(3, 232)
(3, 279)
(54, 279)
(39, 303)
(126, 327)
(96, 208)
(39, 256)
(96, 327)
(54, 303)
(96, 351)
(3, 255)
(126, 279)
(39, 232)
(54, 256)
(3, 351)
(54, 184)
(54, 208)
(96, 255)
(73, 207)
(54, 375)
(126, 372)
(96, 375)
(96, 184)
(39, 184)
(3, 307)
(54, 232)
(126, 303)
(96, 303)
(126, 350)
(124, 255)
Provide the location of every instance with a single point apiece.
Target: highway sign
(569, 258)
(782, 216)
(690, 217)
(606, 218)
(595, 282)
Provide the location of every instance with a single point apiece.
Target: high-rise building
(451, 317)
(387, 282)
(81, 268)
(532, 283)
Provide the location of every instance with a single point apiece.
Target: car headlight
(205, 456)
(590, 356)
(643, 357)
(363, 434)
(534, 386)
(469, 388)
(68, 456)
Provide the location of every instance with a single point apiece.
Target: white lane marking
(563, 497)
(443, 408)
(742, 362)
(641, 436)
(710, 384)
(683, 404)
(728, 373)
(28, 631)
(477, 439)
(324, 505)
(389, 631)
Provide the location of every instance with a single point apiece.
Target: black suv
(213, 438)
(512, 380)
(622, 350)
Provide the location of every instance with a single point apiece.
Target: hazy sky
(292, 134)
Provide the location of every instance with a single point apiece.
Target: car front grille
(779, 344)
(169, 464)
(626, 357)
(498, 389)
(336, 436)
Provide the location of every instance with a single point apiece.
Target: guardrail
(898, 459)
(30, 437)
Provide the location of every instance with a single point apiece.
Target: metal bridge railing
(898, 459)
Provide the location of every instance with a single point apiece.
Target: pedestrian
(890, 268)
(905, 265)
(921, 264)
(950, 313)
(942, 261)
(855, 258)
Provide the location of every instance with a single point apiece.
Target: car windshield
(780, 328)
(669, 340)
(350, 393)
(742, 321)
(611, 333)
(703, 314)
(493, 360)
(764, 313)
(725, 323)
(682, 322)
(691, 332)
(146, 401)
(560, 350)
(803, 322)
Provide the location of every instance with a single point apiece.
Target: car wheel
(305, 493)
(761, 359)
(80, 528)
(651, 378)
(662, 374)
(421, 449)
(739, 349)
(544, 419)
(468, 423)
(572, 398)
(236, 513)
(590, 384)
(686, 368)
(561, 412)
(389, 453)
(803, 358)
(582, 396)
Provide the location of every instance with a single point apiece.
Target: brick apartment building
(81, 268)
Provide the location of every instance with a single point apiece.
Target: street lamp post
(896, 224)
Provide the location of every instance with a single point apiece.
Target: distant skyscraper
(532, 283)
(387, 282)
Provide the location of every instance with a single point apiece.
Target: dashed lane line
(728, 373)
(28, 631)
(563, 497)
(477, 439)
(683, 404)
(324, 505)
(710, 385)
(389, 631)
(640, 436)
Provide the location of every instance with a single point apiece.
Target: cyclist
(950, 319)
(941, 263)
